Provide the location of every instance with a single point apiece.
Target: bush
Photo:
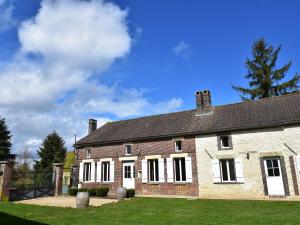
(82, 190)
(130, 193)
(102, 192)
(72, 191)
(92, 192)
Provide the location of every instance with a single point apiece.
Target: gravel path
(64, 201)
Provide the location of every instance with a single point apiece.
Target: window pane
(270, 172)
(224, 170)
(178, 145)
(183, 175)
(275, 163)
(151, 170)
(156, 169)
(231, 170)
(177, 170)
(128, 149)
(225, 141)
(276, 172)
(269, 163)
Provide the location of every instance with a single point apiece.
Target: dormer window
(128, 150)
(88, 153)
(225, 142)
(178, 146)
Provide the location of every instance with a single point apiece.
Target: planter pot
(82, 200)
(121, 193)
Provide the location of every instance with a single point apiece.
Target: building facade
(243, 150)
(157, 167)
(252, 164)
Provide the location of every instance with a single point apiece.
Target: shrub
(130, 193)
(72, 191)
(102, 192)
(82, 190)
(92, 192)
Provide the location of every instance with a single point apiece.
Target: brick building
(208, 151)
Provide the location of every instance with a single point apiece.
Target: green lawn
(146, 211)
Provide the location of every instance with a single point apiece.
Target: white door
(274, 177)
(128, 175)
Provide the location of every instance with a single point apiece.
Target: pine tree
(53, 150)
(5, 143)
(263, 75)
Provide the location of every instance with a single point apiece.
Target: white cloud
(84, 34)
(59, 88)
(182, 49)
(6, 19)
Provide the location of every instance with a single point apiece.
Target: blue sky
(161, 53)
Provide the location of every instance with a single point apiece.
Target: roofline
(186, 134)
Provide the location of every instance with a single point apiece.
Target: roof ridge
(260, 100)
(162, 114)
(217, 106)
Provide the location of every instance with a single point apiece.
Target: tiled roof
(268, 112)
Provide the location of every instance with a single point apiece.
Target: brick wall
(164, 148)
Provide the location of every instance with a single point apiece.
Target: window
(87, 172)
(273, 167)
(178, 146)
(127, 171)
(179, 169)
(227, 170)
(105, 171)
(153, 170)
(225, 142)
(88, 153)
(128, 149)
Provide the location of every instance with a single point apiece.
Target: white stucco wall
(258, 143)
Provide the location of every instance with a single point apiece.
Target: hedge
(102, 192)
(130, 193)
(72, 191)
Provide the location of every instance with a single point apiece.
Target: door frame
(132, 168)
(274, 177)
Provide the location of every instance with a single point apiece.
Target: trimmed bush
(72, 191)
(82, 190)
(92, 192)
(102, 192)
(130, 193)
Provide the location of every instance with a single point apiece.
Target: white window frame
(180, 170)
(107, 163)
(176, 146)
(89, 173)
(228, 170)
(156, 174)
(88, 153)
(126, 149)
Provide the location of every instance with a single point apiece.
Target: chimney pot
(92, 125)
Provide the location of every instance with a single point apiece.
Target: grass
(147, 211)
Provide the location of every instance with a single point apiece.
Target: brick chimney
(203, 103)
(92, 125)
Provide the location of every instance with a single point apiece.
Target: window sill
(234, 182)
(181, 183)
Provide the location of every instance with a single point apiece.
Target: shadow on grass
(7, 219)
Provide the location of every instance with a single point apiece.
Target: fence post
(6, 168)
(58, 169)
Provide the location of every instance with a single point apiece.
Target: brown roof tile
(268, 112)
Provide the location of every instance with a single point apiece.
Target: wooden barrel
(82, 199)
(121, 193)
